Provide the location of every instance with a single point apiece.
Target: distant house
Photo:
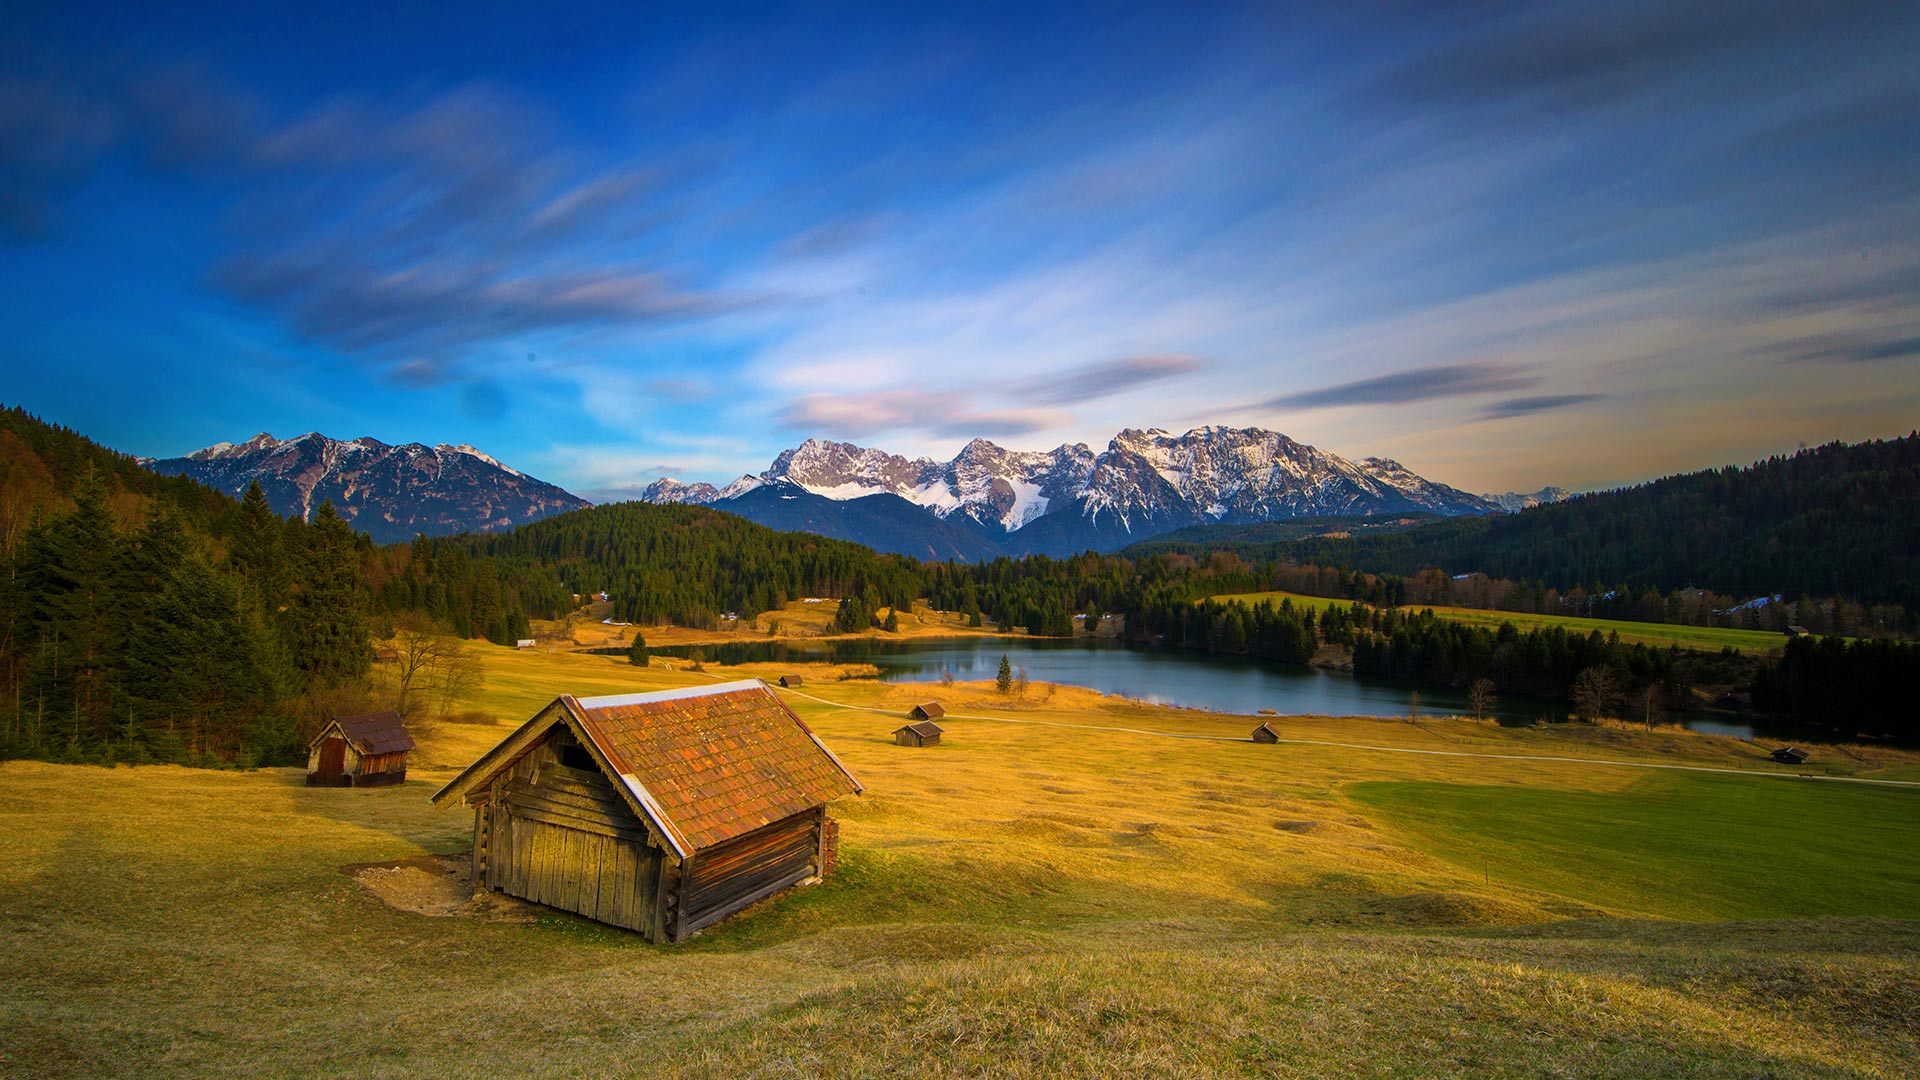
(386, 656)
(926, 710)
(662, 812)
(924, 733)
(1732, 699)
(1798, 631)
(367, 750)
(1265, 733)
(1789, 755)
(791, 681)
(524, 643)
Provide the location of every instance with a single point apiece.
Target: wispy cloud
(1405, 387)
(1106, 378)
(945, 414)
(1524, 406)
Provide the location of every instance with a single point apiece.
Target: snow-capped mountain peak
(1147, 481)
(390, 492)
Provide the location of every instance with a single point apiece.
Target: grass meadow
(1711, 638)
(1067, 886)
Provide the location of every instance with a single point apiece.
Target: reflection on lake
(1161, 676)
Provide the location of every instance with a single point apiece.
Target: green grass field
(1711, 638)
(1064, 891)
(1674, 846)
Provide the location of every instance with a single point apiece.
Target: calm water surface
(1161, 676)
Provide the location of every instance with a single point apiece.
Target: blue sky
(1508, 245)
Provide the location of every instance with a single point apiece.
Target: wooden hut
(367, 750)
(926, 710)
(1789, 755)
(1265, 733)
(662, 812)
(923, 733)
(386, 656)
(791, 681)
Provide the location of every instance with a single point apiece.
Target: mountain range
(391, 493)
(990, 501)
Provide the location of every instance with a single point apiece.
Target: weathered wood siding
(355, 769)
(563, 837)
(721, 880)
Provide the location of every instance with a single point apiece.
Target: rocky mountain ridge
(1146, 482)
(392, 493)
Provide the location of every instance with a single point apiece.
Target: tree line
(1838, 524)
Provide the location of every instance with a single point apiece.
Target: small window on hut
(575, 756)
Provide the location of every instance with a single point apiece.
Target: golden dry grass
(799, 620)
(1039, 895)
(1659, 635)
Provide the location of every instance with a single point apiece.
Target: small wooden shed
(791, 681)
(926, 710)
(366, 750)
(923, 733)
(662, 813)
(1265, 733)
(386, 656)
(1789, 755)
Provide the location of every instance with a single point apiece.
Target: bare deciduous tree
(1596, 693)
(1651, 705)
(1481, 698)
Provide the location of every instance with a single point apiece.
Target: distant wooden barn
(1798, 631)
(662, 813)
(926, 710)
(791, 681)
(1789, 755)
(386, 656)
(1265, 733)
(923, 733)
(366, 750)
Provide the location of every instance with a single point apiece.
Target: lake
(1160, 676)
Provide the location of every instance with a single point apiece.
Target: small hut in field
(1789, 755)
(791, 681)
(1265, 733)
(386, 656)
(366, 750)
(923, 733)
(662, 813)
(926, 710)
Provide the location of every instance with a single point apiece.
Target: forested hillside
(1836, 520)
(149, 618)
(685, 564)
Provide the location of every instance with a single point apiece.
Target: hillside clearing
(1022, 900)
(1710, 638)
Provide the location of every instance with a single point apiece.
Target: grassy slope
(797, 621)
(1662, 634)
(1692, 847)
(1023, 900)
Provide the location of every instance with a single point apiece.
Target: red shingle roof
(714, 762)
(702, 765)
(373, 733)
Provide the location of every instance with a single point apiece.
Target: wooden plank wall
(727, 877)
(563, 837)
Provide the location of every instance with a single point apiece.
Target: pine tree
(1003, 681)
(637, 652)
(326, 619)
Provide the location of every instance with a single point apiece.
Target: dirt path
(440, 886)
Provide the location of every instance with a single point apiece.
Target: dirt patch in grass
(440, 886)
